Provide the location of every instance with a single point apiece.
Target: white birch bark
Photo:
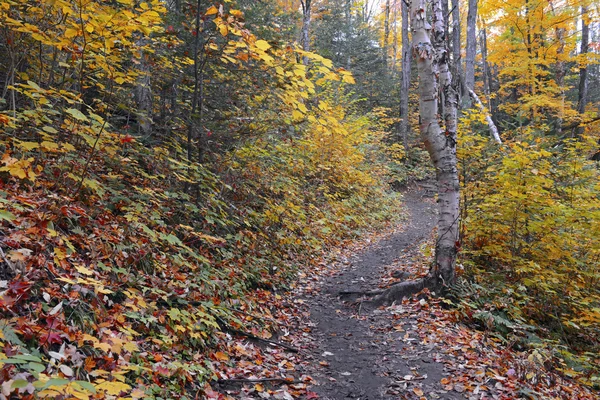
(306, 5)
(432, 60)
(488, 117)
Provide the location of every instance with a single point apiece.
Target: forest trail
(377, 354)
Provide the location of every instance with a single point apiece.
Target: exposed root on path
(400, 291)
(397, 292)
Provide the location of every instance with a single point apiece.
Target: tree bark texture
(406, 67)
(143, 92)
(306, 5)
(395, 36)
(456, 57)
(471, 46)
(432, 61)
(386, 35)
(583, 71)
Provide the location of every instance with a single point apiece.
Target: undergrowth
(531, 212)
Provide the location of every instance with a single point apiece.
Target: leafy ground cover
(415, 349)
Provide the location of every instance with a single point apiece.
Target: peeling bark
(432, 61)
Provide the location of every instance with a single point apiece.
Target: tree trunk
(432, 60)
(395, 37)
(583, 71)
(471, 48)
(488, 117)
(487, 78)
(406, 66)
(560, 76)
(456, 57)
(348, 15)
(386, 35)
(306, 4)
(143, 92)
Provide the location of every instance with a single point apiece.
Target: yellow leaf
(70, 33)
(113, 388)
(83, 270)
(223, 29)
(46, 145)
(263, 45)
(212, 10)
(28, 145)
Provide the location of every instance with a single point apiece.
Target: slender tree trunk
(406, 66)
(446, 12)
(488, 117)
(487, 84)
(456, 57)
(386, 35)
(560, 76)
(348, 14)
(306, 4)
(395, 37)
(432, 60)
(143, 92)
(471, 49)
(583, 71)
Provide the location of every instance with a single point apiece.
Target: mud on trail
(378, 354)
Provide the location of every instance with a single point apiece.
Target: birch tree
(305, 35)
(435, 86)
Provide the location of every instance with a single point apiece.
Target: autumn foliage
(128, 253)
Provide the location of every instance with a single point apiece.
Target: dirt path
(379, 355)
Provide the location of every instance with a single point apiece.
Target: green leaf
(87, 386)
(56, 382)
(27, 357)
(12, 361)
(172, 239)
(6, 215)
(35, 367)
(78, 115)
(19, 384)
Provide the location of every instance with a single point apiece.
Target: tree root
(243, 380)
(400, 291)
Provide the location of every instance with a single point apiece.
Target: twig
(243, 380)
(251, 336)
(416, 378)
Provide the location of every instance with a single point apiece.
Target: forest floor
(414, 349)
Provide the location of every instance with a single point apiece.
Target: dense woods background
(168, 164)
